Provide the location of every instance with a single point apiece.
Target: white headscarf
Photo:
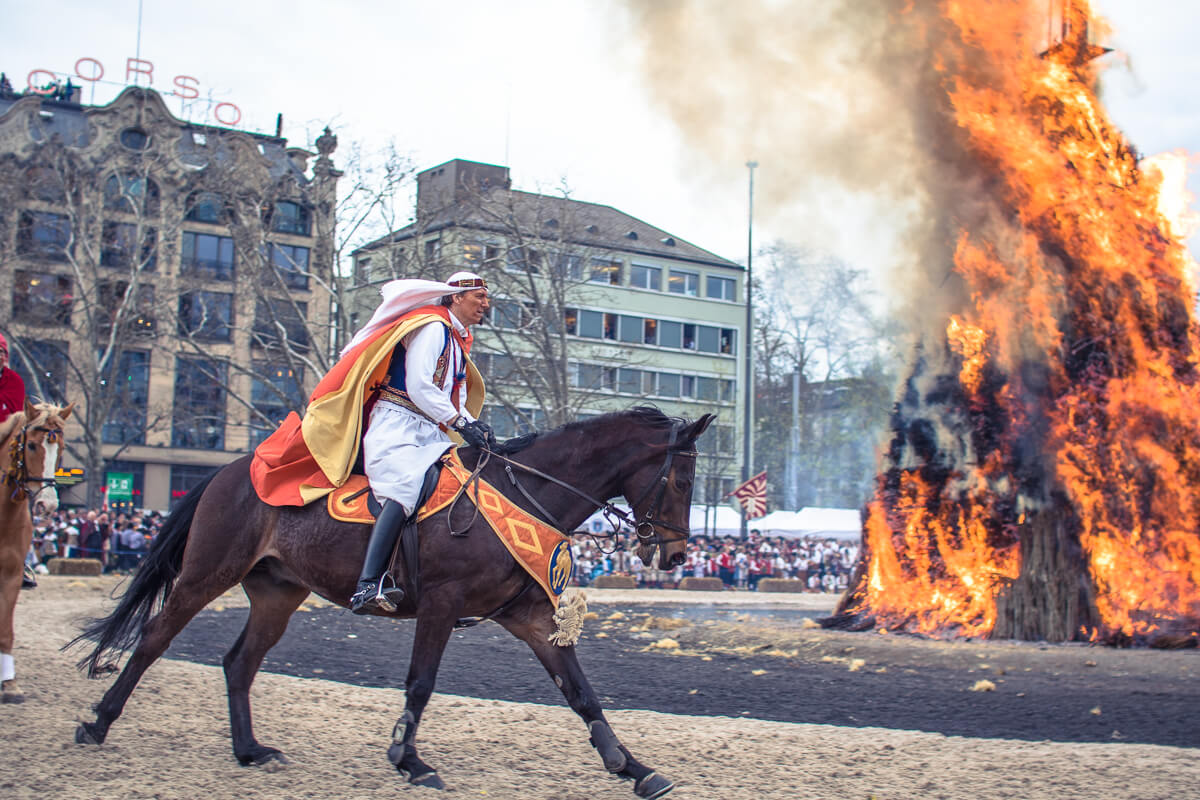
(403, 295)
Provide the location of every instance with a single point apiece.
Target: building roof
(586, 224)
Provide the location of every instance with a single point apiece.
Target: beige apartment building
(170, 278)
(593, 310)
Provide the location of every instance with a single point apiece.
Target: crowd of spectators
(824, 564)
(117, 539)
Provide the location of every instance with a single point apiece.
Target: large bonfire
(1043, 474)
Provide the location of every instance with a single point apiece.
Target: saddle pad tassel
(568, 618)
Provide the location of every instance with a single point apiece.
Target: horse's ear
(698, 427)
(66, 412)
(30, 409)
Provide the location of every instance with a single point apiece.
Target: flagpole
(748, 349)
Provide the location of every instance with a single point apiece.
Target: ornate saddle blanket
(541, 550)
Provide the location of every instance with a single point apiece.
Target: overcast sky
(550, 88)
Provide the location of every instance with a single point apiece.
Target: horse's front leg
(533, 625)
(429, 642)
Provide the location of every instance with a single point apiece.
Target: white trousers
(398, 448)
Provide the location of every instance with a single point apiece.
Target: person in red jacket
(12, 388)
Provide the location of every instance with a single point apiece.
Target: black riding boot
(372, 593)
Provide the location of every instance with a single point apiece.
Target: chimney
(455, 182)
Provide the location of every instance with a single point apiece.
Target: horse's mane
(647, 416)
(45, 412)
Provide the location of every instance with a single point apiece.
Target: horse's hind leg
(534, 628)
(187, 598)
(272, 601)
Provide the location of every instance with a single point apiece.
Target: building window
(43, 235)
(478, 256)
(650, 331)
(274, 392)
(721, 288)
(118, 247)
(642, 276)
(727, 391)
(708, 389)
(670, 334)
(207, 207)
(184, 478)
(362, 271)
(591, 324)
(524, 259)
(199, 417)
(629, 381)
(650, 383)
(604, 271)
(727, 341)
(280, 322)
(596, 377)
(433, 250)
(207, 256)
(291, 264)
(137, 310)
(569, 266)
(709, 341)
(610, 326)
(206, 315)
(291, 217)
(42, 365)
(129, 385)
(668, 384)
(687, 386)
(571, 321)
(689, 336)
(507, 314)
(131, 194)
(681, 282)
(135, 139)
(633, 329)
(42, 298)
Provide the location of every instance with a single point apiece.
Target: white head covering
(403, 295)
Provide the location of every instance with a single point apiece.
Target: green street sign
(120, 486)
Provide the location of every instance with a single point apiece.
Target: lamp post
(748, 348)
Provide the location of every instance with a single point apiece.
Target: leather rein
(18, 474)
(645, 525)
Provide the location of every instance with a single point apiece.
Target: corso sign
(91, 70)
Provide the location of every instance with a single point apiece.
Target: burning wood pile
(1043, 475)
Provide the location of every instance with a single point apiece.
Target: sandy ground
(173, 742)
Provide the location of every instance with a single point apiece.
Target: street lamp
(748, 347)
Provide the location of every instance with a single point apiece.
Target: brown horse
(222, 534)
(29, 458)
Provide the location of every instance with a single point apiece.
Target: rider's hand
(474, 432)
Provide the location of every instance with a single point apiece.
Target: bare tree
(817, 327)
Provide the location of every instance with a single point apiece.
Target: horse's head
(40, 445)
(660, 490)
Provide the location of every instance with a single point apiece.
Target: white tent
(837, 523)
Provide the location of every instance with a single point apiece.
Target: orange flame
(1075, 358)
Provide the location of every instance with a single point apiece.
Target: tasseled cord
(568, 619)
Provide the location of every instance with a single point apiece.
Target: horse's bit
(18, 475)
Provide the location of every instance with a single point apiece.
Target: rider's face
(470, 306)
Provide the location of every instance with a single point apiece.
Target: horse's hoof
(429, 779)
(10, 692)
(267, 757)
(651, 786)
(88, 733)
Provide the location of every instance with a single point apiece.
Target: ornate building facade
(172, 279)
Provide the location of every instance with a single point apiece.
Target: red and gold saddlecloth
(541, 550)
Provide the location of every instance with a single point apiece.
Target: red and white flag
(753, 496)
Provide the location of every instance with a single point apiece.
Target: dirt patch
(173, 740)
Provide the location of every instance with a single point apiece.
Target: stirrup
(376, 596)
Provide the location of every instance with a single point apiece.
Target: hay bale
(614, 582)
(74, 566)
(702, 584)
(781, 585)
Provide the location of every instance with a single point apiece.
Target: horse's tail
(148, 590)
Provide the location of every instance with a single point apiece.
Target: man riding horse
(408, 373)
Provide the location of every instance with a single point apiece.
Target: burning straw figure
(1043, 474)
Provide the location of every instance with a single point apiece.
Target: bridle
(645, 525)
(18, 474)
